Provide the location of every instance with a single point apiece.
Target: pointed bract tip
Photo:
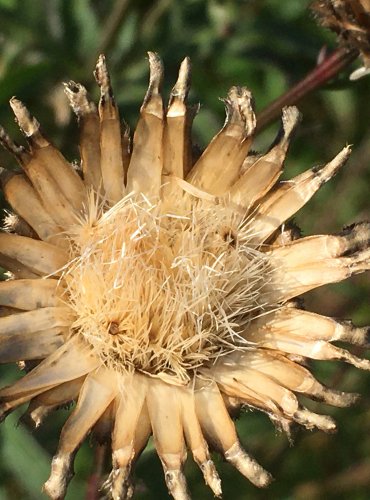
(331, 168)
(182, 86)
(211, 477)
(156, 73)
(357, 237)
(18, 151)
(240, 109)
(185, 68)
(176, 484)
(291, 117)
(77, 97)
(27, 123)
(101, 75)
(311, 420)
(119, 484)
(240, 95)
(152, 103)
(101, 64)
(337, 398)
(362, 363)
(248, 466)
(61, 474)
(358, 335)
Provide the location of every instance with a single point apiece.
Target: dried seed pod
(165, 306)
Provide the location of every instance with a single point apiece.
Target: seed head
(159, 292)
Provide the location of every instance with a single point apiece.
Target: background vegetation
(264, 44)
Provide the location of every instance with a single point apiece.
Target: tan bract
(159, 292)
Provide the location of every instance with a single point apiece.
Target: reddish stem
(322, 73)
(93, 484)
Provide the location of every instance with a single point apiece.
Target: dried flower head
(159, 292)
(350, 20)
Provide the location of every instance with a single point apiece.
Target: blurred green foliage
(266, 45)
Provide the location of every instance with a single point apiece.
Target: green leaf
(27, 461)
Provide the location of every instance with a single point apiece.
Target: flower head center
(164, 293)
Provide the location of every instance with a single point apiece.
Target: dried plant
(350, 20)
(160, 291)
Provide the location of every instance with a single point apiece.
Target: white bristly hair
(165, 293)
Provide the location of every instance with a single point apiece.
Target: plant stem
(316, 78)
(93, 484)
